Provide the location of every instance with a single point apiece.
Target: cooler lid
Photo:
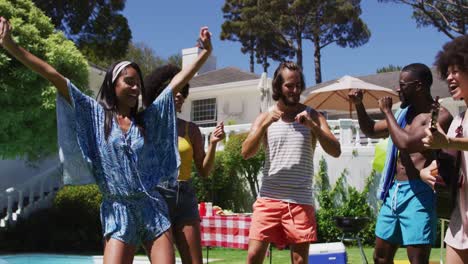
(325, 248)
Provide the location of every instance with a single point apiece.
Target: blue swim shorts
(134, 219)
(408, 215)
(181, 201)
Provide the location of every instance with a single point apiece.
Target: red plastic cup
(202, 209)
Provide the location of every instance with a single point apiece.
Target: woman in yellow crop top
(180, 196)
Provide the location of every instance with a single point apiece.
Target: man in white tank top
(283, 212)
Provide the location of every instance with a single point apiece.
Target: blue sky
(170, 26)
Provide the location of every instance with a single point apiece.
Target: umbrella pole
(350, 110)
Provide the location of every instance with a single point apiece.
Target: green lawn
(233, 256)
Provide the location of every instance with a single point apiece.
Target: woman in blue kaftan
(128, 152)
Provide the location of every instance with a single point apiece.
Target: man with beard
(407, 216)
(283, 212)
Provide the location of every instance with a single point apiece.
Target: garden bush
(77, 211)
(72, 224)
(342, 200)
(223, 187)
(233, 183)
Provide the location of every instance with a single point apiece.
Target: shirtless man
(407, 216)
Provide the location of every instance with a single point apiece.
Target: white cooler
(327, 253)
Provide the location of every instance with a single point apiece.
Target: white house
(228, 94)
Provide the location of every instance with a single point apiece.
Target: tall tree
(288, 19)
(447, 16)
(245, 23)
(144, 56)
(321, 21)
(336, 22)
(175, 59)
(27, 101)
(97, 27)
(389, 68)
(147, 59)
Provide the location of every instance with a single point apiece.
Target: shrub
(247, 169)
(342, 200)
(233, 183)
(77, 211)
(71, 225)
(224, 187)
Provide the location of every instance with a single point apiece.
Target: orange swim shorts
(282, 223)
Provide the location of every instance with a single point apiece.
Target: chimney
(190, 54)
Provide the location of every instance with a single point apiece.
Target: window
(204, 112)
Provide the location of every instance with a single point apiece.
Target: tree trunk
(252, 55)
(265, 62)
(299, 50)
(252, 62)
(317, 63)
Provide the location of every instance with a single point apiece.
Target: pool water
(46, 258)
(59, 259)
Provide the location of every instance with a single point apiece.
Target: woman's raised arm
(31, 61)
(186, 74)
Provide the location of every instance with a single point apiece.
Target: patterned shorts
(134, 219)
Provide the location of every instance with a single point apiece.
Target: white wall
(236, 102)
(358, 163)
(190, 54)
(96, 77)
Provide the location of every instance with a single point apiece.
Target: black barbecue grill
(351, 226)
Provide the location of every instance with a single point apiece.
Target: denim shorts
(181, 201)
(408, 215)
(134, 219)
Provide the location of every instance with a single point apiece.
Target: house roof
(224, 75)
(390, 80)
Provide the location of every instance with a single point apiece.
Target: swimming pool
(58, 259)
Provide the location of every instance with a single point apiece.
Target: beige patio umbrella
(335, 95)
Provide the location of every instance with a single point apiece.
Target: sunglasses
(405, 84)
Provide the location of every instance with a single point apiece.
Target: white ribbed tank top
(289, 168)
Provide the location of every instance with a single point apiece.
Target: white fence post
(20, 202)
(346, 132)
(9, 213)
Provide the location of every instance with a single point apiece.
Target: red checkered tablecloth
(225, 231)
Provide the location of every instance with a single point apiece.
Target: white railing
(229, 130)
(357, 150)
(347, 131)
(37, 193)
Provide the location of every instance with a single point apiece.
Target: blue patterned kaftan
(128, 166)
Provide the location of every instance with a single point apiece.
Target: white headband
(118, 68)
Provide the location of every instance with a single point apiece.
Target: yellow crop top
(186, 155)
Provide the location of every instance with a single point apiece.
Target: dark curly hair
(157, 81)
(278, 79)
(453, 53)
